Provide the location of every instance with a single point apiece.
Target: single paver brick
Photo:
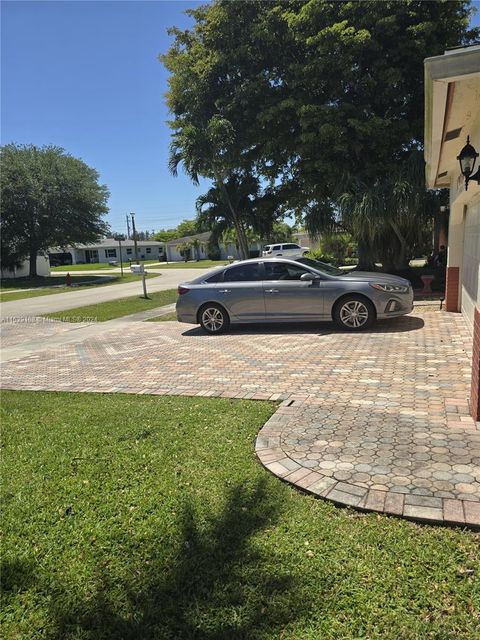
(423, 513)
(453, 511)
(307, 481)
(323, 486)
(472, 512)
(352, 489)
(298, 475)
(290, 464)
(394, 503)
(344, 498)
(423, 501)
(277, 468)
(375, 500)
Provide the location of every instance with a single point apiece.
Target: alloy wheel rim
(354, 314)
(212, 319)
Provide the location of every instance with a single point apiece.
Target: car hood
(372, 276)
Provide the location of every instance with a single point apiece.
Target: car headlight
(391, 288)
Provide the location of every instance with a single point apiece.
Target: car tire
(305, 253)
(354, 313)
(213, 318)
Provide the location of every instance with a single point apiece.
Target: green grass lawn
(142, 517)
(117, 308)
(93, 266)
(95, 281)
(201, 264)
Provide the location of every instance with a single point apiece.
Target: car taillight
(181, 290)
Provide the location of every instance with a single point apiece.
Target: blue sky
(85, 76)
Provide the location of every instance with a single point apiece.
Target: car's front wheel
(213, 318)
(354, 313)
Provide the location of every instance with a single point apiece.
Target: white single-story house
(452, 117)
(23, 271)
(226, 250)
(172, 247)
(108, 250)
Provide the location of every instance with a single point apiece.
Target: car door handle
(272, 290)
(224, 290)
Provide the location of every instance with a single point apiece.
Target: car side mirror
(309, 277)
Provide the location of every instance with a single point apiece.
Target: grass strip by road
(149, 517)
(103, 311)
(94, 266)
(91, 266)
(94, 281)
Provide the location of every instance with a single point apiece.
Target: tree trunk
(401, 262)
(242, 239)
(33, 263)
(365, 260)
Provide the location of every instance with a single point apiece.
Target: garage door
(471, 262)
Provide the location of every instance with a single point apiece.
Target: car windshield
(322, 266)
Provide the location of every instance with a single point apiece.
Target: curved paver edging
(423, 508)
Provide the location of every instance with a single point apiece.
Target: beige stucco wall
(43, 269)
(464, 233)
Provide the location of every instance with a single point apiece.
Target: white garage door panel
(471, 263)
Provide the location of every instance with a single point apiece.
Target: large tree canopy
(310, 94)
(49, 199)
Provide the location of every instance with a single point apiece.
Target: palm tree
(387, 219)
(207, 151)
(214, 215)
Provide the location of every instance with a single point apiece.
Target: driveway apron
(377, 420)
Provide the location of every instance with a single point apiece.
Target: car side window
(276, 247)
(283, 271)
(217, 277)
(243, 273)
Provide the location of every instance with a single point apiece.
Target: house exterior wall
(112, 252)
(452, 112)
(470, 293)
(43, 269)
(173, 254)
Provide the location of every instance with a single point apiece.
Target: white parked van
(286, 249)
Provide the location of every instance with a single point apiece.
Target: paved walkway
(377, 420)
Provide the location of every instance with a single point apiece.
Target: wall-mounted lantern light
(467, 158)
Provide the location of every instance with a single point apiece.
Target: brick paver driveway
(377, 420)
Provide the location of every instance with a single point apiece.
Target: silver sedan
(281, 290)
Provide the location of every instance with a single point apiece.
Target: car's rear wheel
(213, 318)
(354, 313)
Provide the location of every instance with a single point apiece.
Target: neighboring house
(226, 250)
(174, 255)
(452, 112)
(107, 250)
(23, 271)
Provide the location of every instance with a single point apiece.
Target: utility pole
(120, 250)
(134, 236)
(128, 227)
